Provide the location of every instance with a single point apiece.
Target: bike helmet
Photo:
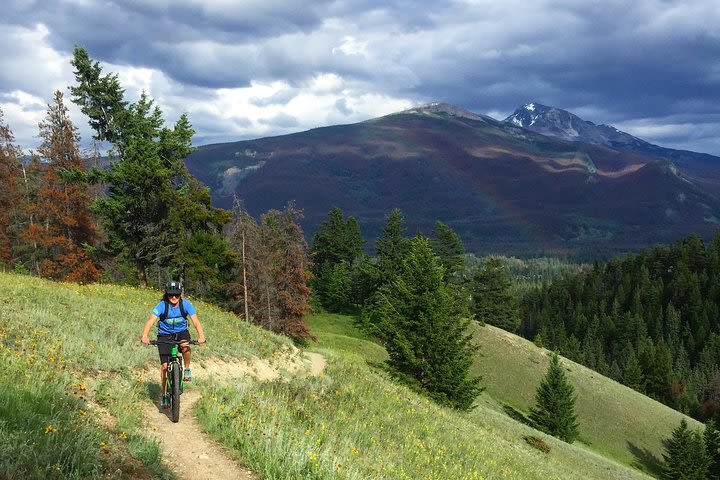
(173, 288)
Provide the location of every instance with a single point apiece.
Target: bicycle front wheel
(175, 394)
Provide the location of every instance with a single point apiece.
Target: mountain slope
(701, 168)
(617, 424)
(503, 188)
(349, 422)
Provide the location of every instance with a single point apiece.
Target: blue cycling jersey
(174, 323)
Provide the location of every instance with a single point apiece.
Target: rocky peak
(441, 107)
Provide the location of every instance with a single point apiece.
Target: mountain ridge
(502, 187)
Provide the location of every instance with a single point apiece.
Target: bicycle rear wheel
(175, 394)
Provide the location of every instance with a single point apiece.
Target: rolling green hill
(75, 377)
(615, 421)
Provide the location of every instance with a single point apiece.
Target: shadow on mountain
(516, 415)
(646, 460)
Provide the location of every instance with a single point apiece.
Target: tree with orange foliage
(287, 252)
(63, 227)
(10, 173)
(271, 287)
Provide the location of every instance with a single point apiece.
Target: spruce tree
(10, 198)
(391, 245)
(155, 214)
(423, 325)
(63, 226)
(493, 302)
(711, 437)
(450, 250)
(554, 410)
(336, 247)
(685, 456)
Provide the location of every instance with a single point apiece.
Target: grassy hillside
(82, 416)
(71, 384)
(615, 421)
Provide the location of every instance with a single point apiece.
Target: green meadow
(73, 382)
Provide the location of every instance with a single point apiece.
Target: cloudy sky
(245, 69)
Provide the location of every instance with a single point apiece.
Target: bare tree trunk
(245, 289)
(267, 290)
(32, 217)
(142, 276)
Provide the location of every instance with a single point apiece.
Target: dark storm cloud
(652, 66)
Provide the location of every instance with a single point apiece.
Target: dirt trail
(186, 449)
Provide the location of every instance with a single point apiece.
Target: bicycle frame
(174, 375)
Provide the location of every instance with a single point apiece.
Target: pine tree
(685, 456)
(289, 270)
(336, 247)
(155, 213)
(10, 199)
(711, 437)
(554, 410)
(336, 240)
(269, 286)
(391, 245)
(631, 372)
(63, 223)
(449, 248)
(493, 302)
(423, 326)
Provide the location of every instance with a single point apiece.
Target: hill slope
(616, 422)
(503, 188)
(349, 422)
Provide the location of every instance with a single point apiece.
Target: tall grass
(352, 422)
(69, 353)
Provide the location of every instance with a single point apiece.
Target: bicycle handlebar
(174, 342)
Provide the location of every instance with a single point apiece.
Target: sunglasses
(173, 294)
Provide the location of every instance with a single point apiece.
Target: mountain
(501, 187)
(702, 168)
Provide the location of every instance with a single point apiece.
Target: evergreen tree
(424, 328)
(337, 240)
(493, 302)
(631, 372)
(685, 456)
(10, 199)
(269, 286)
(391, 245)
(711, 437)
(554, 410)
(155, 213)
(336, 247)
(282, 233)
(62, 225)
(450, 250)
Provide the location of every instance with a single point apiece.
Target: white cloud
(351, 46)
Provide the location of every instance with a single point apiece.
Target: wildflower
(101, 444)
(50, 429)
(122, 435)
(83, 412)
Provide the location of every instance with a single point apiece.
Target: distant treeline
(649, 320)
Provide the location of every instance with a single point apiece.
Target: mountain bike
(174, 375)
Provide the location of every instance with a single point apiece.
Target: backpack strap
(164, 315)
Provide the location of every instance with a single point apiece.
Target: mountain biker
(172, 313)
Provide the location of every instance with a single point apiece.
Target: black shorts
(164, 349)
